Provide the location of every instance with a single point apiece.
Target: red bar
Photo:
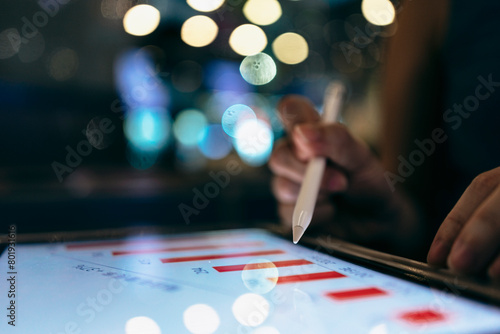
(356, 294)
(219, 256)
(306, 277)
(422, 316)
(263, 265)
(189, 248)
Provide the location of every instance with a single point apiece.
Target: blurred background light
(199, 31)
(224, 75)
(115, 9)
(142, 325)
(235, 115)
(248, 39)
(137, 80)
(141, 20)
(205, 5)
(378, 12)
(147, 129)
(262, 12)
(215, 144)
(189, 127)
(251, 309)
(254, 141)
(261, 280)
(63, 64)
(258, 69)
(290, 48)
(201, 319)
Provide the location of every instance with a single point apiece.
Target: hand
(355, 201)
(468, 241)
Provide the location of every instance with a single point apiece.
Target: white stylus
(304, 208)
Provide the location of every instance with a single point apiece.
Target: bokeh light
(262, 12)
(234, 115)
(147, 129)
(258, 69)
(142, 325)
(189, 127)
(115, 9)
(257, 279)
(141, 20)
(63, 64)
(205, 5)
(215, 143)
(251, 309)
(224, 75)
(290, 48)
(248, 39)
(189, 158)
(138, 82)
(254, 142)
(201, 319)
(199, 31)
(378, 12)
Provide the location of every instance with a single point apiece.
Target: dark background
(42, 111)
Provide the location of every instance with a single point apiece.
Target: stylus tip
(298, 231)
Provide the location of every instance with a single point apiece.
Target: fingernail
(438, 252)
(462, 258)
(307, 133)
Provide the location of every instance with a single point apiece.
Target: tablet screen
(235, 281)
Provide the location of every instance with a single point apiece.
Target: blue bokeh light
(147, 129)
(254, 142)
(190, 126)
(215, 144)
(235, 115)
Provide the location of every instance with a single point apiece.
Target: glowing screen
(235, 281)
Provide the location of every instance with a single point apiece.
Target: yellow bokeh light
(262, 12)
(290, 48)
(205, 5)
(247, 40)
(199, 31)
(378, 12)
(141, 20)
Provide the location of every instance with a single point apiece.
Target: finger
(494, 270)
(477, 243)
(323, 214)
(284, 163)
(295, 109)
(287, 191)
(474, 195)
(284, 190)
(333, 141)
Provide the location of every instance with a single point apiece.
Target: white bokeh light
(201, 319)
(142, 325)
(141, 20)
(251, 309)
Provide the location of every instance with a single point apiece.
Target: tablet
(248, 281)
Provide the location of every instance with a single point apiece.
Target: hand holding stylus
(363, 207)
(306, 201)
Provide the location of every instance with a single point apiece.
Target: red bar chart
(262, 265)
(356, 294)
(186, 248)
(307, 277)
(221, 256)
(421, 317)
